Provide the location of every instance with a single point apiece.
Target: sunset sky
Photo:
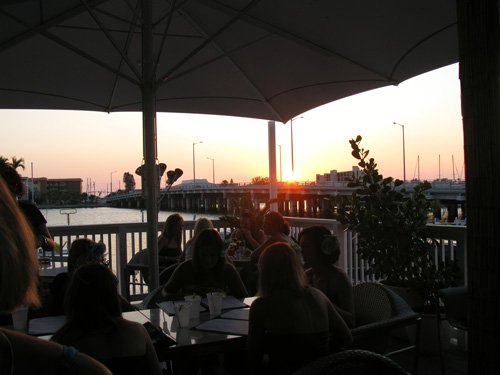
(68, 144)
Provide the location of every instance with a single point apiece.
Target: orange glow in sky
(91, 145)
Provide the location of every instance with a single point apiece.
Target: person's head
(274, 223)
(319, 246)
(83, 251)
(12, 179)
(173, 227)
(92, 297)
(280, 269)
(208, 250)
(247, 221)
(201, 224)
(18, 262)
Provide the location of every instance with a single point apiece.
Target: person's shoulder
(260, 303)
(315, 293)
(132, 328)
(340, 275)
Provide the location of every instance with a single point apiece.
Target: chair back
(352, 362)
(166, 273)
(140, 261)
(455, 306)
(372, 303)
(149, 302)
(379, 311)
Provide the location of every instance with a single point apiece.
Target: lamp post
(213, 169)
(111, 181)
(281, 175)
(404, 161)
(194, 163)
(291, 141)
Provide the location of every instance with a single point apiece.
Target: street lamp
(111, 181)
(291, 141)
(281, 175)
(404, 162)
(213, 169)
(194, 163)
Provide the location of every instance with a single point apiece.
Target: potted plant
(393, 238)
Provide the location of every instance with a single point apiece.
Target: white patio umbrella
(254, 58)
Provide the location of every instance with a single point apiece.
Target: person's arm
(247, 235)
(344, 301)
(340, 333)
(49, 357)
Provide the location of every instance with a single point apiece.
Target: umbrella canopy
(253, 58)
(262, 59)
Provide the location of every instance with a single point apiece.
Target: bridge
(294, 199)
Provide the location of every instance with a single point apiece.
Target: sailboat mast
(418, 164)
(439, 167)
(453, 166)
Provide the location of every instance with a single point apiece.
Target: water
(108, 215)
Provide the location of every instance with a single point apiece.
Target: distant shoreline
(80, 205)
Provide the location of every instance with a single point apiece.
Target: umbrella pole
(273, 188)
(149, 139)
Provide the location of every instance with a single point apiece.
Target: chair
(378, 312)
(139, 263)
(352, 362)
(149, 302)
(455, 305)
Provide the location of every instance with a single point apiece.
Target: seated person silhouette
(291, 323)
(170, 241)
(201, 224)
(94, 324)
(20, 353)
(207, 271)
(321, 251)
(82, 251)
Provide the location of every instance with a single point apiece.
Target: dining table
(205, 334)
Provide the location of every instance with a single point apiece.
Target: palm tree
(17, 163)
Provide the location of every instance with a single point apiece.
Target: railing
(123, 241)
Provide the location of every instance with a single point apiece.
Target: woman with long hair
(20, 353)
(207, 271)
(321, 251)
(201, 224)
(170, 239)
(81, 251)
(291, 323)
(278, 230)
(94, 324)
